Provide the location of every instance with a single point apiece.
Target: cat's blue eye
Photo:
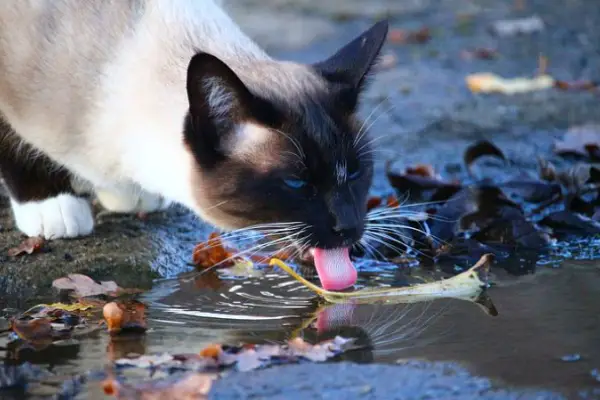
(295, 183)
(354, 175)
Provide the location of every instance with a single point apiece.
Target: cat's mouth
(334, 267)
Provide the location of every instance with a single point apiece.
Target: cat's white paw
(64, 216)
(131, 201)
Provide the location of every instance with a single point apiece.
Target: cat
(155, 102)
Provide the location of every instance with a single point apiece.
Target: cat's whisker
(371, 249)
(363, 128)
(390, 232)
(252, 234)
(416, 216)
(255, 249)
(371, 141)
(393, 227)
(218, 205)
(376, 238)
(386, 240)
(301, 155)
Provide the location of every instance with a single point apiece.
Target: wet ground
(545, 338)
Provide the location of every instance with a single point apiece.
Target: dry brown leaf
(402, 36)
(34, 330)
(212, 351)
(125, 317)
(418, 180)
(212, 252)
(583, 140)
(487, 82)
(193, 386)
(84, 286)
(481, 53)
(28, 246)
(584, 85)
(373, 202)
(480, 149)
(392, 202)
(424, 170)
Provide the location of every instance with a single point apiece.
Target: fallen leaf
(481, 53)
(424, 170)
(417, 184)
(28, 246)
(125, 317)
(32, 330)
(190, 386)
(212, 351)
(511, 27)
(245, 268)
(584, 85)
(583, 140)
(447, 222)
(546, 170)
(211, 253)
(373, 202)
(391, 202)
(401, 36)
(84, 286)
(480, 149)
(258, 258)
(487, 82)
(531, 190)
(74, 307)
(570, 222)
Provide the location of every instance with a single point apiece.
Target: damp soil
(542, 344)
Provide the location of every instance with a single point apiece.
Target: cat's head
(292, 153)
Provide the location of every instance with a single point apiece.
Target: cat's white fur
(99, 86)
(64, 216)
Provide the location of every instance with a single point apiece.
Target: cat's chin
(334, 267)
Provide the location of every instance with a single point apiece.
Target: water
(545, 334)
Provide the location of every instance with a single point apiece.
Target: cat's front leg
(62, 216)
(130, 199)
(42, 198)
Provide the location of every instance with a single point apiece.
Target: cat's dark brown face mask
(300, 169)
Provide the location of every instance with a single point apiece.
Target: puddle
(545, 334)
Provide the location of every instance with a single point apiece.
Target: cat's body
(156, 101)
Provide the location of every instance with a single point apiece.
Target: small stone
(365, 389)
(4, 324)
(571, 357)
(387, 61)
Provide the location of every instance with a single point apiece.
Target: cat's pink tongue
(334, 267)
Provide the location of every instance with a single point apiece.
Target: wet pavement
(423, 113)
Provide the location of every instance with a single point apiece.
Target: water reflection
(540, 322)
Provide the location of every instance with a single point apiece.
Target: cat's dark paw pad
(64, 216)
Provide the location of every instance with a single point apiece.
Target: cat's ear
(221, 108)
(215, 93)
(349, 67)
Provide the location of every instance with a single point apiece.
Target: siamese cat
(154, 102)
